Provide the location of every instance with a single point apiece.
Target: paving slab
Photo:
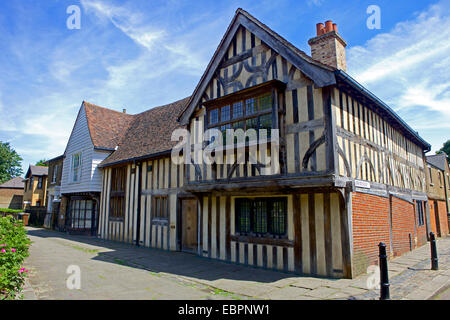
(112, 270)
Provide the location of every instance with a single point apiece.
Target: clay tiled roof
(107, 127)
(149, 133)
(14, 183)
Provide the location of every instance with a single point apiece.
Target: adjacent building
(438, 190)
(35, 187)
(95, 135)
(53, 219)
(335, 172)
(11, 194)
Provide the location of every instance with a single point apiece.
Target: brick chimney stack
(328, 46)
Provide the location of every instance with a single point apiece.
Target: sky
(139, 54)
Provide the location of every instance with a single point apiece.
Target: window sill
(282, 242)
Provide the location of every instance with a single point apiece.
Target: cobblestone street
(117, 271)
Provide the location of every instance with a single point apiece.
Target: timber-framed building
(345, 173)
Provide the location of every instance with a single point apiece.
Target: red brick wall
(403, 226)
(443, 221)
(370, 219)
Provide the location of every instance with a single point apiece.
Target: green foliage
(10, 162)
(42, 163)
(445, 149)
(14, 246)
(6, 210)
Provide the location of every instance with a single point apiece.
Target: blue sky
(139, 54)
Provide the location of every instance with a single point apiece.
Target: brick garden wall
(370, 219)
(403, 226)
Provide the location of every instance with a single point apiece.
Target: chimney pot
(335, 27)
(328, 26)
(328, 47)
(319, 28)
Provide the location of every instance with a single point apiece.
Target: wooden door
(189, 226)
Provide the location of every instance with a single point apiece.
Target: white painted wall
(80, 141)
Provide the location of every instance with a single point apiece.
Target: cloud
(409, 68)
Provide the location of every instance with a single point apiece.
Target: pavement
(110, 270)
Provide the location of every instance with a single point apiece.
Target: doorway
(189, 224)
(436, 214)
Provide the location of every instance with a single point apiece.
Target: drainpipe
(445, 190)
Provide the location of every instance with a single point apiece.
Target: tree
(445, 149)
(42, 163)
(10, 162)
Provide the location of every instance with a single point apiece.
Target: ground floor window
(261, 216)
(160, 207)
(81, 214)
(117, 199)
(420, 218)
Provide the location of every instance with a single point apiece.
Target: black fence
(37, 216)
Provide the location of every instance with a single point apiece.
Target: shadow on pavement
(170, 262)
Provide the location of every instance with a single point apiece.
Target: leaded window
(261, 216)
(249, 113)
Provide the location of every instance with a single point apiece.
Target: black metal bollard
(384, 277)
(434, 256)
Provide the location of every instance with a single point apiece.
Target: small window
(39, 186)
(420, 217)
(31, 183)
(431, 176)
(76, 167)
(117, 200)
(55, 173)
(160, 207)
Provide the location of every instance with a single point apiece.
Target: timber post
(434, 256)
(384, 277)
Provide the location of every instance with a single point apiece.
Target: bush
(14, 246)
(6, 210)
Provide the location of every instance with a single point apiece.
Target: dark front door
(438, 224)
(189, 222)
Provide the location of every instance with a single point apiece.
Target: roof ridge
(162, 106)
(105, 108)
(277, 35)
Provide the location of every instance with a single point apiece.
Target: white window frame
(55, 172)
(72, 169)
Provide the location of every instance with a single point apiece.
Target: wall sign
(362, 184)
